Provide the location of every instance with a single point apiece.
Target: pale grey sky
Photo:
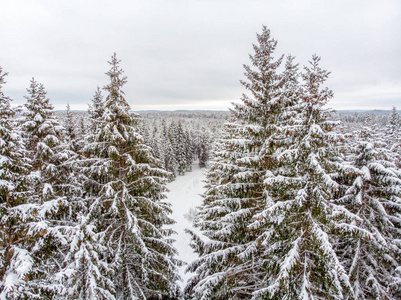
(189, 54)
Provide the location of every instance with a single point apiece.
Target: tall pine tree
(180, 149)
(270, 211)
(54, 190)
(15, 260)
(96, 110)
(235, 182)
(127, 210)
(301, 222)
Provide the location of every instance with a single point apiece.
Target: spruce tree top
(40, 123)
(262, 82)
(119, 122)
(10, 148)
(96, 110)
(38, 104)
(116, 105)
(5, 110)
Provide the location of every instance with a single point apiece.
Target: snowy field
(185, 196)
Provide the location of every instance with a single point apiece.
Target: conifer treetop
(5, 109)
(115, 101)
(2, 80)
(265, 63)
(314, 77)
(9, 145)
(69, 123)
(115, 74)
(37, 99)
(40, 120)
(96, 109)
(262, 81)
(117, 80)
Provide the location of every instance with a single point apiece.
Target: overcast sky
(189, 54)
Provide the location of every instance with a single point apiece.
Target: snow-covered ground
(185, 196)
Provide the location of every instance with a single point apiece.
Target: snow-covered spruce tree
(144, 131)
(96, 110)
(373, 194)
(68, 171)
(170, 162)
(69, 124)
(203, 147)
(82, 128)
(53, 189)
(235, 183)
(301, 223)
(180, 149)
(15, 260)
(127, 211)
(157, 148)
(172, 135)
(52, 156)
(393, 133)
(86, 273)
(44, 137)
(393, 127)
(72, 139)
(189, 150)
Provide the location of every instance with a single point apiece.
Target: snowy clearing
(185, 196)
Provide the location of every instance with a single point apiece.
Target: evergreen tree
(189, 150)
(155, 145)
(301, 222)
(15, 261)
(180, 149)
(53, 191)
(269, 210)
(393, 135)
(235, 183)
(128, 211)
(82, 128)
(44, 137)
(372, 185)
(73, 140)
(170, 162)
(96, 110)
(144, 131)
(87, 273)
(69, 124)
(393, 127)
(203, 148)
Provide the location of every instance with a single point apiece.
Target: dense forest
(301, 202)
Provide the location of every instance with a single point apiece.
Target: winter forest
(299, 202)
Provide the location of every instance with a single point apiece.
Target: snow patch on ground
(185, 197)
